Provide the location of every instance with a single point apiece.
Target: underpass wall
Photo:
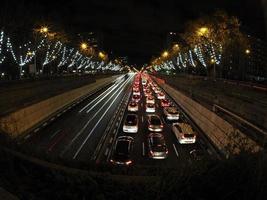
(222, 134)
(24, 119)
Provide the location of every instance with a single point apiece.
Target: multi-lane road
(78, 132)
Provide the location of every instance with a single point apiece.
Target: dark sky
(136, 28)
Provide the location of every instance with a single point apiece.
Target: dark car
(122, 151)
(157, 146)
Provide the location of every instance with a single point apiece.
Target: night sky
(133, 28)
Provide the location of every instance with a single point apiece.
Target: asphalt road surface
(77, 132)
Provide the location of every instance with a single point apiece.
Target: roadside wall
(223, 135)
(22, 120)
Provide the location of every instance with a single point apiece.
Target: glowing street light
(165, 54)
(212, 61)
(202, 31)
(175, 47)
(101, 55)
(84, 46)
(247, 51)
(44, 29)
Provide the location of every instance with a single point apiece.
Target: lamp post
(212, 61)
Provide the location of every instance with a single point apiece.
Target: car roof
(186, 128)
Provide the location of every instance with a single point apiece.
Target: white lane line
(142, 118)
(58, 114)
(55, 134)
(176, 152)
(44, 124)
(106, 152)
(89, 135)
(209, 151)
(143, 149)
(98, 102)
(26, 137)
(36, 130)
(111, 139)
(52, 119)
(106, 92)
(88, 122)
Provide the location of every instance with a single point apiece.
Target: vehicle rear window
(155, 120)
(122, 147)
(189, 135)
(131, 120)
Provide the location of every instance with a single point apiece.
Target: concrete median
(222, 134)
(20, 121)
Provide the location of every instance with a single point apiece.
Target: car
(136, 91)
(133, 106)
(121, 154)
(150, 99)
(171, 113)
(184, 133)
(154, 123)
(150, 108)
(130, 123)
(136, 98)
(165, 103)
(160, 95)
(144, 81)
(157, 90)
(157, 148)
(147, 92)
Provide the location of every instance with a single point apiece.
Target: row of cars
(157, 148)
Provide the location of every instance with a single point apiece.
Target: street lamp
(247, 51)
(202, 31)
(44, 29)
(101, 55)
(165, 54)
(212, 61)
(84, 46)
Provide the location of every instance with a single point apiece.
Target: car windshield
(155, 120)
(172, 111)
(122, 147)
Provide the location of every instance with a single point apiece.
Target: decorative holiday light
(191, 60)
(26, 49)
(52, 52)
(66, 54)
(199, 54)
(2, 57)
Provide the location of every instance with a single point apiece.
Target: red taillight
(161, 126)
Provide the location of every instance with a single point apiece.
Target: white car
(150, 108)
(150, 99)
(144, 81)
(184, 133)
(136, 92)
(130, 124)
(160, 95)
(171, 113)
(133, 107)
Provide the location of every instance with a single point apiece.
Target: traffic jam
(152, 122)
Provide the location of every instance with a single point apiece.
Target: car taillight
(129, 162)
(161, 126)
(151, 153)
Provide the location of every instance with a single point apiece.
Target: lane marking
(56, 142)
(26, 137)
(176, 152)
(106, 92)
(85, 126)
(98, 102)
(54, 134)
(89, 135)
(143, 149)
(44, 124)
(52, 119)
(106, 152)
(36, 130)
(142, 119)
